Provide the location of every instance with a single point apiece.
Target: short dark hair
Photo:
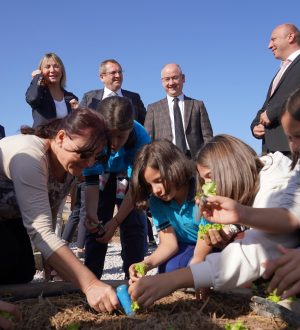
(164, 156)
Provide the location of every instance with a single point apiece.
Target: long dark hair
(172, 164)
(80, 122)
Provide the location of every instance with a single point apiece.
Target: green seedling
(6, 315)
(141, 268)
(236, 326)
(203, 229)
(135, 306)
(273, 297)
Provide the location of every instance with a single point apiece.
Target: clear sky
(221, 46)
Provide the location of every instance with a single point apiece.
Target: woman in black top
(46, 94)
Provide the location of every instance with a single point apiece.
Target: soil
(178, 311)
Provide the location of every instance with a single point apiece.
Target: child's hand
(217, 238)
(150, 288)
(138, 270)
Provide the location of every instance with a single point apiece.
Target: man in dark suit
(111, 75)
(160, 121)
(285, 45)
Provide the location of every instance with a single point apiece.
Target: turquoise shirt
(122, 160)
(183, 218)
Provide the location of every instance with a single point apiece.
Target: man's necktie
(179, 131)
(280, 73)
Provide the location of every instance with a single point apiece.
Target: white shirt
(108, 93)
(61, 108)
(171, 112)
(241, 261)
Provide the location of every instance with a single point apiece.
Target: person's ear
(60, 136)
(183, 77)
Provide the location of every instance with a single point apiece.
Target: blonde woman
(46, 94)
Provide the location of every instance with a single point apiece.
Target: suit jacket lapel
(297, 59)
(188, 105)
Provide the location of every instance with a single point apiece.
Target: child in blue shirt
(106, 186)
(165, 178)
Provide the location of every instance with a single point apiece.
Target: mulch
(177, 311)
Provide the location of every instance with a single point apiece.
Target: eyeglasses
(114, 73)
(82, 154)
(167, 79)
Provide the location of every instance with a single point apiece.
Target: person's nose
(156, 190)
(270, 44)
(295, 145)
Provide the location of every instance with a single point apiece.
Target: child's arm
(167, 247)
(202, 249)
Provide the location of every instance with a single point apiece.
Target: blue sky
(220, 45)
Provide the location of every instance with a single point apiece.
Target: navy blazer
(42, 103)
(92, 98)
(275, 139)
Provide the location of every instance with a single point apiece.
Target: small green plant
(73, 326)
(135, 306)
(203, 229)
(141, 268)
(239, 325)
(6, 315)
(273, 297)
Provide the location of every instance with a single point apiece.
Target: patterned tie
(179, 131)
(283, 66)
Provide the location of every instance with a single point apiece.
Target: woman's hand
(74, 104)
(101, 297)
(8, 314)
(286, 270)
(35, 72)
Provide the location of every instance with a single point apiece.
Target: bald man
(161, 124)
(285, 45)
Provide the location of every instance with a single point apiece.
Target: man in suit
(161, 122)
(111, 74)
(285, 45)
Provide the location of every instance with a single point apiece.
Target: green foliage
(141, 268)
(135, 306)
(239, 325)
(6, 315)
(273, 297)
(73, 326)
(209, 188)
(203, 229)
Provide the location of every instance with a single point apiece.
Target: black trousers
(133, 233)
(16, 256)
